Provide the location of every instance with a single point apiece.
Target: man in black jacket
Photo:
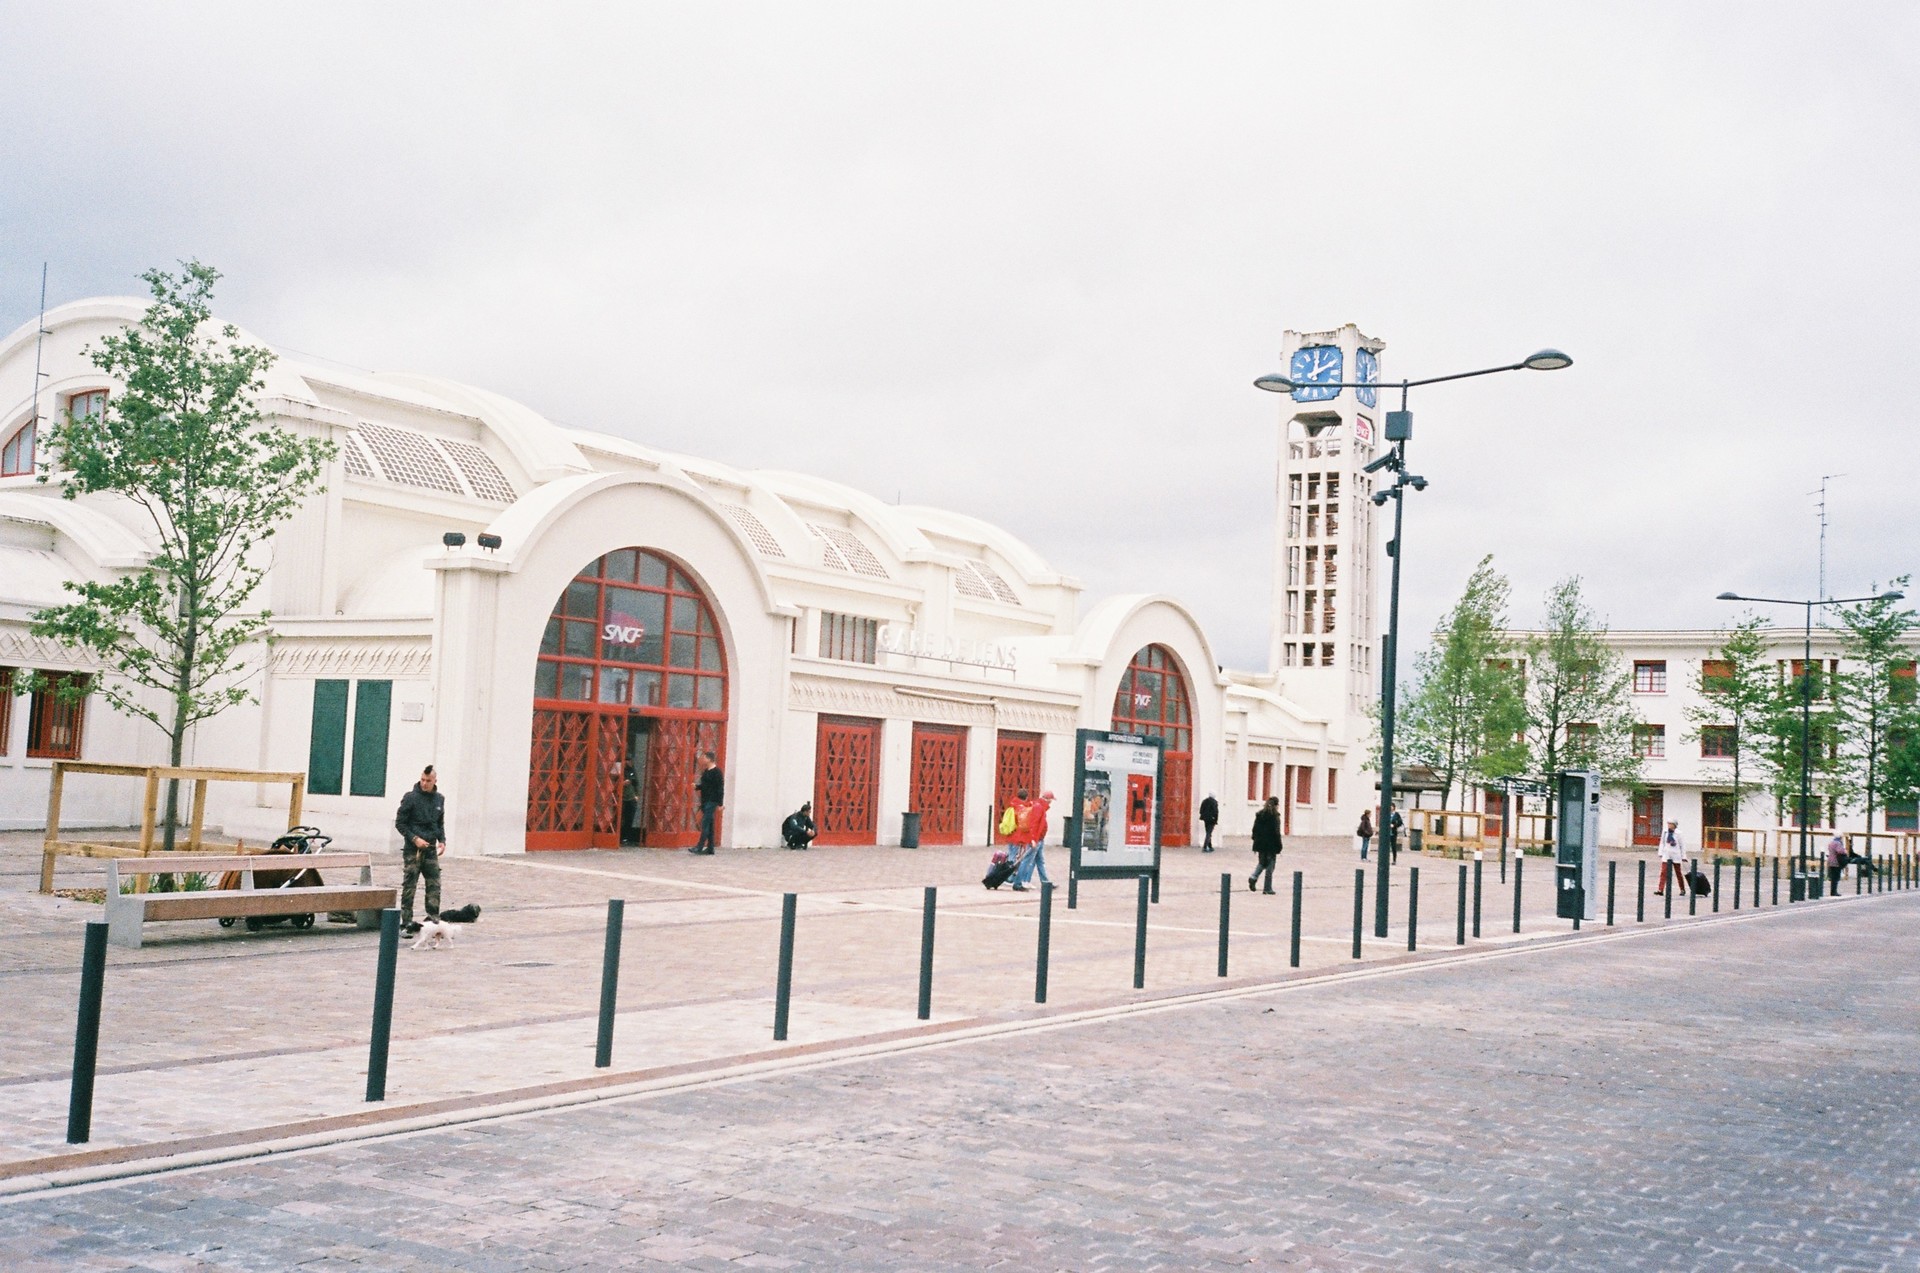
(423, 838)
(712, 787)
(1209, 818)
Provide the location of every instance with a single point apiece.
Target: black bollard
(1667, 893)
(383, 1004)
(1073, 890)
(1359, 903)
(1140, 939)
(1579, 905)
(926, 953)
(1226, 905)
(1716, 885)
(1294, 956)
(1693, 898)
(1856, 881)
(783, 982)
(1517, 864)
(1460, 910)
(1756, 881)
(1154, 895)
(1776, 881)
(1739, 881)
(1413, 907)
(86, 1033)
(1640, 896)
(1611, 864)
(609, 982)
(1046, 944)
(1476, 894)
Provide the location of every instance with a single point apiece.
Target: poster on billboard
(1116, 804)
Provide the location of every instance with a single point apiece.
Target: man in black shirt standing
(712, 787)
(422, 823)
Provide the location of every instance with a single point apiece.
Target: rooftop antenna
(39, 338)
(1821, 591)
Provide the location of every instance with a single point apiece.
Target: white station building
(643, 606)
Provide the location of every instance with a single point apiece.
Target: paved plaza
(1713, 1092)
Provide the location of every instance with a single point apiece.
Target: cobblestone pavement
(217, 1032)
(1709, 1096)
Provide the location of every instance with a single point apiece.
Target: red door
(1176, 795)
(846, 780)
(1495, 808)
(1649, 808)
(1016, 768)
(939, 782)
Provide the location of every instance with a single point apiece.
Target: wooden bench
(127, 912)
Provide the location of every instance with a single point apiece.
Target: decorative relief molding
(383, 658)
(18, 646)
(864, 698)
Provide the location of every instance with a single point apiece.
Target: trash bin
(1413, 839)
(1797, 888)
(1817, 883)
(909, 830)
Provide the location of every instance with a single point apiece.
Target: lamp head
(1729, 596)
(1547, 360)
(1891, 596)
(453, 538)
(488, 542)
(1274, 382)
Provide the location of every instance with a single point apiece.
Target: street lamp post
(1806, 690)
(1399, 428)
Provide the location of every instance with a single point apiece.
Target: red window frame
(1650, 741)
(1901, 682)
(1715, 675)
(1303, 785)
(16, 456)
(56, 728)
(1719, 742)
(1649, 676)
(1333, 787)
(1152, 699)
(1903, 815)
(1253, 780)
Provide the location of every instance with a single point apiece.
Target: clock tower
(1325, 643)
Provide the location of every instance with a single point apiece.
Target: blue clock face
(1315, 368)
(1366, 367)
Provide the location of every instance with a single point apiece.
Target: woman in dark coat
(1266, 842)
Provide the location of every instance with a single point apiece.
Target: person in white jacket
(1673, 855)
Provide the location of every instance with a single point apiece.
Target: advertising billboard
(1116, 804)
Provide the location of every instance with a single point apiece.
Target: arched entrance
(630, 689)
(1153, 700)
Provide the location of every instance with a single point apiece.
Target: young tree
(1740, 699)
(1464, 717)
(1802, 721)
(1579, 700)
(1874, 701)
(183, 441)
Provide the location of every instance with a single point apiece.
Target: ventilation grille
(482, 474)
(846, 552)
(431, 463)
(997, 587)
(409, 458)
(354, 456)
(968, 584)
(755, 530)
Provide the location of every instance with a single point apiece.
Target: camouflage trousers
(419, 862)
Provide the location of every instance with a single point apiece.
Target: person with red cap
(1033, 834)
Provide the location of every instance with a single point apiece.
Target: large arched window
(629, 691)
(1152, 699)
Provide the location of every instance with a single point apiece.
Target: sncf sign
(622, 633)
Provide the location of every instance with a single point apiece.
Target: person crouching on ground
(1033, 834)
(798, 830)
(422, 824)
(1673, 855)
(1266, 842)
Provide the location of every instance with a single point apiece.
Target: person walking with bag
(1033, 832)
(1266, 842)
(1365, 831)
(1673, 857)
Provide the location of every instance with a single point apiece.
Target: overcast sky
(1025, 260)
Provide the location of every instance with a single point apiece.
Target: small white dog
(434, 934)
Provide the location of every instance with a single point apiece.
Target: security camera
(1385, 459)
(1418, 483)
(1380, 497)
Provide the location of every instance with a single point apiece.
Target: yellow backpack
(1009, 821)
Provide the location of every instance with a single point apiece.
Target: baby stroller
(297, 840)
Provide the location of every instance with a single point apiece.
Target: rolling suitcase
(1699, 883)
(1004, 865)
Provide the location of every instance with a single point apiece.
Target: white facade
(432, 652)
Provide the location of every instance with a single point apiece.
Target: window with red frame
(6, 709)
(16, 457)
(1333, 786)
(1902, 682)
(1903, 815)
(1650, 676)
(1581, 739)
(1650, 741)
(1719, 742)
(54, 725)
(88, 405)
(1303, 785)
(1716, 675)
(1253, 780)
(1266, 780)
(1152, 699)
